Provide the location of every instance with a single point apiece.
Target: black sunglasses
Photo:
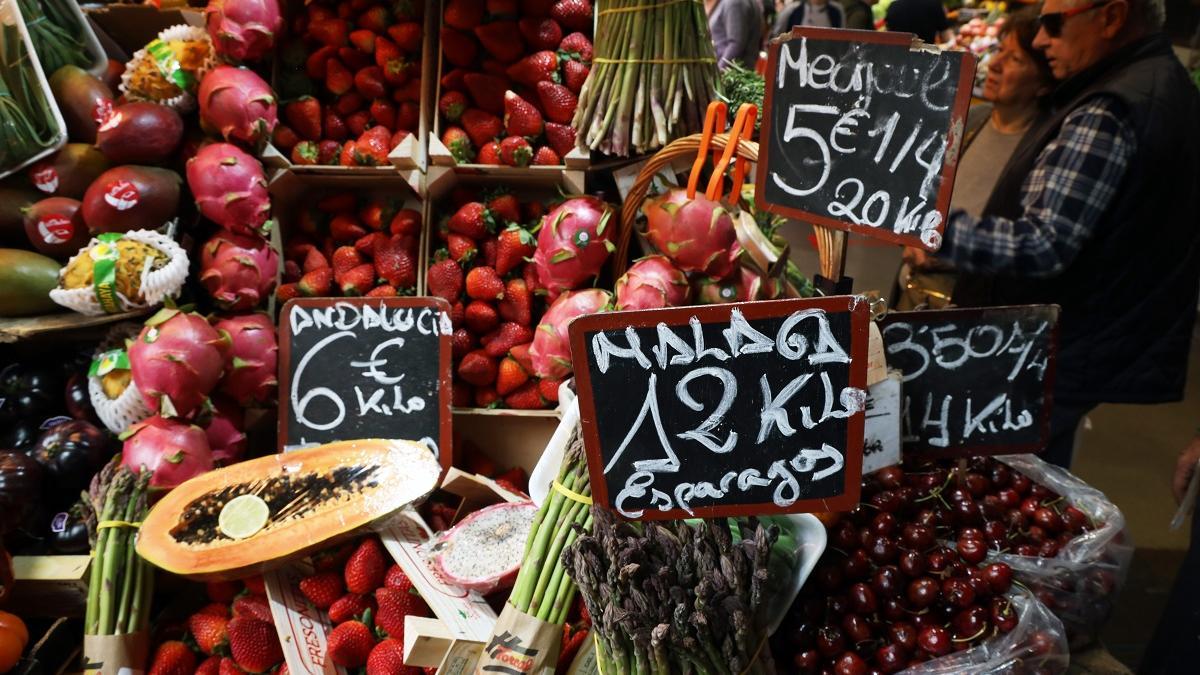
(1053, 22)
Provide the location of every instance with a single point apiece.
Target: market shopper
(924, 18)
(1097, 212)
(737, 31)
(816, 13)
(858, 14)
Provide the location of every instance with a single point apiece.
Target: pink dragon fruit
(652, 283)
(224, 431)
(253, 355)
(230, 188)
(743, 285)
(574, 242)
(484, 551)
(172, 451)
(243, 30)
(237, 270)
(176, 361)
(696, 234)
(551, 350)
(237, 104)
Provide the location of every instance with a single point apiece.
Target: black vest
(1129, 297)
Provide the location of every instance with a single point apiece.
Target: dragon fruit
(226, 439)
(238, 270)
(172, 451)
(551, 350)
(237, 104)
(253, 355)
(176, 361)
(743, 285)
(243, 30)
(696, 234)
(485, 550)
(230, 188)
(652, 283)
(574, 242)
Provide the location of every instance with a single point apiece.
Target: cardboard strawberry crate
(504, 17)
(294, 65)
(295, 198)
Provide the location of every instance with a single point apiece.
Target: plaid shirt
(1065, 195)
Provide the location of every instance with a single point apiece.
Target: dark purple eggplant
(68, 534)
(31, 392)
(79, 400)
(20, 435)
(72, 452)
(20, 487)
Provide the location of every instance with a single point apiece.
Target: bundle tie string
(569, 493)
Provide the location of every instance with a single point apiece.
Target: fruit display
(511, 75)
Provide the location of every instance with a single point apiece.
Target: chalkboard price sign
(861, 132)
(724, 410)
(976, 381)
(365, 368)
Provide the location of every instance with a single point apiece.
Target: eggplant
(21, 479)
(20, 435)
(71, 453)
(79, 400)
(30, 393)
(68, 534)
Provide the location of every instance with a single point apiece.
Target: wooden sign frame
(857, 306)
(958, 119)
(445, 438)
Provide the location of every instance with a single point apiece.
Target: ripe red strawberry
(515, 151)
(573, 14)
(487, 91)
(335, 127)
(365, 245)
(456, 314)
(509, 376)
(284, 138)
(574, 75)
(314, 260)
(480, 317)
(540, 34)
(372, 148)
(458, 143)
(228, 666)
(286, 292)
(502, 7)
(322, 588)
(382, 291)
(546, 157)
(375, 214)
(452, 104)
(338, 79)
(534, 68)
(255, 606)
(222, 591)
(407, 36)
(394, 605)
(316, 283)
(369, 82)
(209, 666)
(445, 279)
(521, 354)
(358, 280)
(577, 43)
(463, 14)
(254, 644)
(458, 47)
(399, 136)
(173, 658)
(356, 125)
(549, 389)
(520, 117)
(346, 157)
(348, 104)
(384, 114)
(387, 658)
(501, 39)
(375, 19)
(216, 609)
(510, 335)
(353, 59)
(517, 305)
(453, 80)
(481, 126)
(526, 397)
(304, 116)
(396, 68)
(394, 264)
(483, 283)
(348, 607)
(306, 153)
(209, 632)
(558, 102)
(470, 220)
(363, 40)
(461, 342)
(333, 32)
(345, 227)
(408, 115)
(505, 208)
(406, 222)
(349, 644)
(462, 248)
(489, 153)
(396, 578)
(486, 397)
(314, 64)
(366, 567)
(514, 244)
(477, 368)
(561, 138)
(488, 248)
(327, 151)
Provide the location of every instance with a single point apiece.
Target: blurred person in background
(737, 31)
(858, 14)
(924, 18)
(818, 13)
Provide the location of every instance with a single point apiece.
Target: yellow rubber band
(599, 59)
(569, 493)
(117, 523)
(642, 8)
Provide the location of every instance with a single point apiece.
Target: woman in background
(737, 31)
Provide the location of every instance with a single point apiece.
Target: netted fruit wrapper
(109, 370)
(120, 272)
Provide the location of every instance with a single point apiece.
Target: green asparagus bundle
(26, 123)
(653, 75)
(121, 582)
(677, 596)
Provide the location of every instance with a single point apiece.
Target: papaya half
(256, 515)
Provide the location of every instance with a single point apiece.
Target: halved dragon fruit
(253, 357)
(551, 350)
(574, 242)
(243, 30)
(238, 270)
(238, 105)
(176, 361)
(226, 438)
(696, 234)
(172, 451)
(652, 283)
(484, 551)
(230, 188)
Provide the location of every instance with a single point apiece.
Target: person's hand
(1185, 466)
(917, 258)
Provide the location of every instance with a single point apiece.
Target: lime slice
(243, 516)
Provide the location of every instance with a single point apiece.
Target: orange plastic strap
(716, 183)
(740, 166)
(714, 123)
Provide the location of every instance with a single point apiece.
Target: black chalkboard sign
(723, 410)
(976, 381)
(365, 368)
(861, 132)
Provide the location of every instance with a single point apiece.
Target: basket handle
(743, 126)
(714, 123)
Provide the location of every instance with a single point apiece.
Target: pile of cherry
(905, 576)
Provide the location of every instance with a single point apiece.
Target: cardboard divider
(302, 628)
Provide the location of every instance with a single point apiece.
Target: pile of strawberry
(344, 245)
(358, 65)
(232, 635)
(366, 600)
(482, 269)
(511, 78)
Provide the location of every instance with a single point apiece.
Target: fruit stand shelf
(15, 330)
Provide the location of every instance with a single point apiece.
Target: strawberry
(558, 102)
(513, 245)
(304, 116)
(384, 114)
(394, 605)
(461, 342)
(489, 248)
(209, 632)
(345, 258)
(338, 80)
(254, 644)
(284, 138)
(501, 39)
(515, 151)
(314, 260)
(222, 591)
(463, 14)
(353, 59)
(391, 60)
(396, 578)
(546, 157)
(481, 126)
(574, 75)
(521, 118)
(483, 283)
(534, 68)
(364, 40)
(445, 279)
(365, 245)
(487, 91)
(291, 271)
(348, 104)
(216, 609)
(255, 606)
(526, 397)
(356, 125)
(477, 368)
(209, 666)
(458, 47)
(471, 220)
(349, 644)
(489, 153)
(577, 43)
(561, 138)
(316, 283)
(505, 208)
(314, 65)
(375, 19)
(509, 376)
(510, 335)
(306, 153)
(366, 567)
(452, 104)
(494, 67)
(394, 264)
(521, 354)
(549, 389)
(382, 291)
(462, 249)
(537, 8)
(387, 658)
(287, 292)
(502, 7)
(458, 143)
(573, 14)
(173, 658)
(332, 32)
(322, 588)
(345, 227)
(517, 305)
(348, 607)
(399, 136)
(408, 115)
(480, 317)
(358, 280)
(369, 82)
(540, 34)
(376, 214)
(406, 35)
(228, 666)
(372, 148)
(486, 397)
(453, 80)
(406, 222)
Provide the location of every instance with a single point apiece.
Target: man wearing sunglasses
(1097, 211)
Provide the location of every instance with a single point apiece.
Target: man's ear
(1115, 16)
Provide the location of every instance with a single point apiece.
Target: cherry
(885, 501)
(887, 582)
(903, 634)
(976, 484)
(1048, 519)
(1041, 643)
(1048, 549)
(839, 604)
(1015, 520)
(1009, 497)
(862, 598)
(925, 517)
(1001, 476)
(1027, 550)
(935, 640)
(967, 511)
(998, 576)
(1029, 507)
(945, 517)
(956, 494)
(829, 576)
(802, 635)
(830, 640)
(856, 628)
(970, 533)
(1036, 534)
(917, 537)
(972, 551)
(1075, 520)
(958, 592)
(1021, 483)
(970, 623)
(857, 566)
(1041, 492)
(890, 477)
(891, 658)
(845, 536)
(892, 610)
(883, 523)
(978, 582)
(882, 550)
(807, 660)
(1004, 617)
(912, 564)
(850, 664)
(995, 531)
(937, 560)
(956, 568)
(991, 506)
(923, 592)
